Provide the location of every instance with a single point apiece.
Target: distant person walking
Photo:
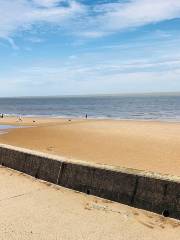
(86, 116)
(20, 119)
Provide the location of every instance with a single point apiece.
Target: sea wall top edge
(131, 171)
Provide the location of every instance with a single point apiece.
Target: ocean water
(141, 107)
(4, 128)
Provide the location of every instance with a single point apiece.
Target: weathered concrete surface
(113, 185)
(148, 191)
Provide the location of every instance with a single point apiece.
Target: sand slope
(152, 146)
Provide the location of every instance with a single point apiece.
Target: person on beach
(86, 116)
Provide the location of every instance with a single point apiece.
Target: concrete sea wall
(145, 190)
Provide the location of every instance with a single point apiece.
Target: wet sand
(143, 145)
(33, 209)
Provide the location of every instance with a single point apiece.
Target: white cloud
(19, 15)
(90, 22)
(46, 3)
(56, 81)
(35, 39)
(124, 70)
(12, 43)
(91, 72)
(110, 18)
(141, 12)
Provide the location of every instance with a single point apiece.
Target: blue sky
(67, 47)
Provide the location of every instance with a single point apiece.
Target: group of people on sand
(20, 118)
(2, 116)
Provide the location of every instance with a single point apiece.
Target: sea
(165, 107)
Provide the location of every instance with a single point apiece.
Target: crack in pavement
(19, 195)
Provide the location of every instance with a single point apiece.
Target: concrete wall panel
(142, 190)
(49, 170)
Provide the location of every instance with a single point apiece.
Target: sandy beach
(143, 145)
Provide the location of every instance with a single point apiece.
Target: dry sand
(143, 145)
(32, 209)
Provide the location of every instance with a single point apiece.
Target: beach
(143, 145)
(35, 209)
(89, 120)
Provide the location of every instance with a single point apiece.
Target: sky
(74, 47)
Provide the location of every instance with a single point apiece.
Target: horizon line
(165, 93)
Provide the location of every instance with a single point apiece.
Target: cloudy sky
(59, 47)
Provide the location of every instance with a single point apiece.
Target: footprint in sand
(50, 148)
